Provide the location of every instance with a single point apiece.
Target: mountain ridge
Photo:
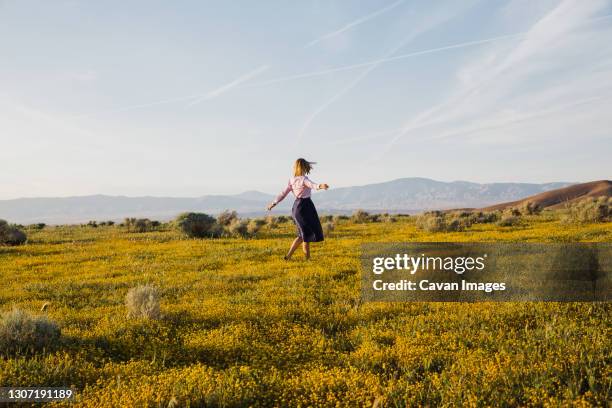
(409, 194)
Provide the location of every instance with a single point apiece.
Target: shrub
(22, 332)
(143, 302)
(226, 217)
(386, 217)
(328, 227)
(198, 225)
(374, 218)
(37, 226)
(326, 218)
(92, 224)
(272, 221)
(129, 223)
(110, 223)
(338, 218)
(254, 225)
(360, 217)
(239, 228)
(11, 234)
(431, 223)
(437, 221)
(281, 219)
(484, 217)
(508, 220)
(515, 212)
(530, 208)
(590, 210)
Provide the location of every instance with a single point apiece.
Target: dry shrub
(226, 217)
(11, 234)
(22, 332)
(590, 210)
(273, 221)
(530, 208)
(437, 221)
(360, 217)
(508, 220)
(386, 217)
(254, 226)
(281, 219)
(328, 227)
(239, 228)
(143, 302)
(338, 218)
(198, 225)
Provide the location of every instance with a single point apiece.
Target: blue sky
(199, 97)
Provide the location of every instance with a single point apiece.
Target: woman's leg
(306, 248)
(294, 246)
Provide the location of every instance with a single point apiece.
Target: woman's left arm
(310, 184)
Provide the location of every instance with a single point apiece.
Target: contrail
(326, 71)
(241, 80)
(236, 82)
(381, 60)
(354, 23)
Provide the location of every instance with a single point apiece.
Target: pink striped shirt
(300, 186)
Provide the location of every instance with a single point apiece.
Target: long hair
(302, 167)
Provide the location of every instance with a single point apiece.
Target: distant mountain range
(401, 195)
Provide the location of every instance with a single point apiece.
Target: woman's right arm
(281, 196)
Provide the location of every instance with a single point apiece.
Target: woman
(304, 212)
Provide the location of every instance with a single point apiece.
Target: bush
(239, 228)
(590, 210)
(142, 225)
(431, 223)
(21, 332)
(37, 226)
(92, 224)
(374, 218)
(338, 218)
(143, 302)
(508, 220)
(326, 218)
(437, 221)
(198, 225)
(530, 208)
(226, 217)
(386, 217)
(273, 221)
(360, 217)
(254, 225)
(328, 227)
(281, 219)
(484, 217)
(110, 223)
(11, 235)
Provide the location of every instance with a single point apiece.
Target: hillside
(561, 196)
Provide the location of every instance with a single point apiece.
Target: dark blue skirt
(307, 220)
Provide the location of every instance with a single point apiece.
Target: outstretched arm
(280, 197)
(310, 184)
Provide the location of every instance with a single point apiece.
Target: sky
(216, 97)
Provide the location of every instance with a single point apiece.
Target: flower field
(239, 326)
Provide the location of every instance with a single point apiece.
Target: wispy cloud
(423, 24)
(229, 86)
(313, 74)
(354, 23)
(487, 81)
